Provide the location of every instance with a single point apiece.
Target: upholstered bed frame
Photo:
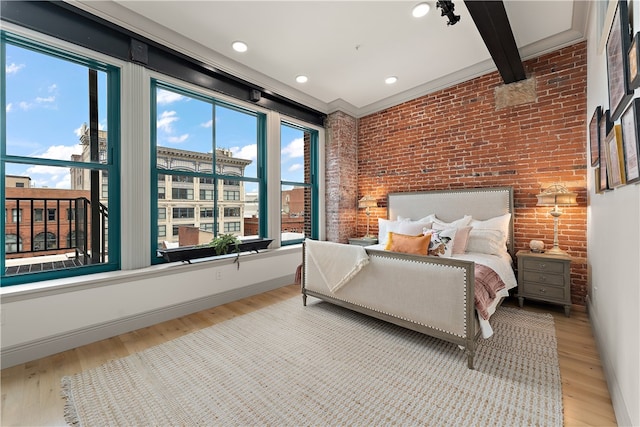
(431, 295)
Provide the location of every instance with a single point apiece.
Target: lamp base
(555, 251)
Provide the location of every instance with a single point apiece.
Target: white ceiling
(346, 48)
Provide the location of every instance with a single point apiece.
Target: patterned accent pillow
(442, 242)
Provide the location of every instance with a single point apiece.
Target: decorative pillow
(462, 222)
(491, 242)
(412, 228)
(460, 240)
(407, 244)
(442, 242)
(500, 222)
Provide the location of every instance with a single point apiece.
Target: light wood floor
(31, 391)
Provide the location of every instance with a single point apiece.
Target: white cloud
(295, 167)
(61, 152)
(26, 106)
(207, 124)
(52, 88)
(165, 97)
(248, 152)
(294, 149)
(9, 107)
(165, 120)
(13, 68)
(178, 139)
(46, 100)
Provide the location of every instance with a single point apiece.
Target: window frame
(162, 82)
(113, 74)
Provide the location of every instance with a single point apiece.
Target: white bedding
(501, 264)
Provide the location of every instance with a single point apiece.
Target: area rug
(324, 365)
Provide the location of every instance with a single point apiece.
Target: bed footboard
(431, 295)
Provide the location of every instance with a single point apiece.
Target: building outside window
(16, 215)
(231, 227)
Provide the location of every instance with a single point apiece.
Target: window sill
(77, 283)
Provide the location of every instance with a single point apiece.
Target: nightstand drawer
(543, 278)
(534, 290)
(543, 265)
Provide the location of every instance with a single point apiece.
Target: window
(206, 213)
(231, 195)
(231, 227)
(16, 215)
(162, 231)
(44, 241)
(182, 193)
(231, 212)
(162, 213)
(20, 184)
(60, 91)
(12, 244)
(180, 213)
(299, 191)
(209, 145)
(206, 194)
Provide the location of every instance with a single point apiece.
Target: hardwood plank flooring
(31, 391)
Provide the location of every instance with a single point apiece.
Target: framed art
(615, 162)
(594, 136)
(630, 136)
(618, 61)
(634, 62)
(605, 129)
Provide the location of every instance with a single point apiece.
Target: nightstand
(544, 277)
(363, 241)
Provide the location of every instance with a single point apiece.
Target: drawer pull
(543, 278)
(543, 290)
(543, 266)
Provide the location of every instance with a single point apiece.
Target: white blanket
(336, 262)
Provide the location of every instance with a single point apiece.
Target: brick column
(341, 176)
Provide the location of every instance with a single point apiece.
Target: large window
(58, 110)
(212, 150)
(299, 187)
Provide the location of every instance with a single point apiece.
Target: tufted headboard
(449, 205)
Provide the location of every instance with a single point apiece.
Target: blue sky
(45, 111)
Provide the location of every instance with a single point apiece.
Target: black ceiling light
(447, 9)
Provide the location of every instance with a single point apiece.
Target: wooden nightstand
(544, 277)
(363, 241)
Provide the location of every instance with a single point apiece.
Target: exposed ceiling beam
(493, 25)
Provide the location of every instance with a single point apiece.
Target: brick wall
(341, 170)
(456, 138)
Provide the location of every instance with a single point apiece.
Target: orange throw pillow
(404, 243)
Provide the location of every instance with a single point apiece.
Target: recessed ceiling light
(391, 80)
(420, 10)
(239, 46)
(301, 79)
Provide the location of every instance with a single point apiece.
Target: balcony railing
(55, 228)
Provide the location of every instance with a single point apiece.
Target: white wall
(44, 318)
(613, 247)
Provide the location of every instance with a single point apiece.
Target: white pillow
(496, 223)
(412, 228)
(462, 222)
(488, 241)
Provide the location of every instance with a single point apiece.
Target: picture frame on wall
(634, 62)
(630, 124)
(594, 136)
(617, 50)
(605, 129)
(615, 161)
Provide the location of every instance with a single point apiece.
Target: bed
(434, 295)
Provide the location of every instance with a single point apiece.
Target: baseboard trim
(620, 410)
(25, 352)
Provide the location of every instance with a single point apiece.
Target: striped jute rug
(323, 365)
